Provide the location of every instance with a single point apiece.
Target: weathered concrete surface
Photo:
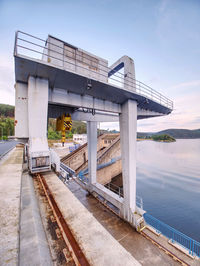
(99, 247)
(164, 242)
(141, 248)
(32, 239)
(10, 182)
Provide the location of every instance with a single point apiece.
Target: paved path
(10, 183)
(141, 248)
(6, 145)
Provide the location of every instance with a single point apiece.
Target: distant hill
(181, 133)
(7, 110)
(175, 133)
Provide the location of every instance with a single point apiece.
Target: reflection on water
(168, 180)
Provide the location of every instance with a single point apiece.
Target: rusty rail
(77, 254)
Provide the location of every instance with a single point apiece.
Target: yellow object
(63, 124)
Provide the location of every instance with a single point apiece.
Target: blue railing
(74, 147)
(174, 235)
(82, 177)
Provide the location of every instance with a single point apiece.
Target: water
(168, 180)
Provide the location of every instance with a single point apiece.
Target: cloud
(185, 85)
(7, 92)
(185, 115)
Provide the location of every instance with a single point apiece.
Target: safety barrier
(73, 148)
(37, 48)
(174, 235)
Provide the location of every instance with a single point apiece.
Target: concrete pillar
(129, 71)
(37, 113)
(92, 152)
(21, 110)
(129, 74)
(128, 134)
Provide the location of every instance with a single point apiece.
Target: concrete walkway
(10, 183)
(162, 240)
(139, 247)
(98, 246)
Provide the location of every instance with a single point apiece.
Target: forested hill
(181, 133)
(7, 110)
(175, 133)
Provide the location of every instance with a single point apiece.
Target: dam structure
(54, 77)
(92, 222)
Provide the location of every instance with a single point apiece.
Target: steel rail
(77, 254)
(141, 88)
(148, 93)
(65, 49)
(151, 93)
(107, 68)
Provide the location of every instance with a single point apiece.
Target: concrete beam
(128, 134)
(34, 249)
(108, 195)
(64, 97)
(146, 113)
(98, 117)
(37, 114)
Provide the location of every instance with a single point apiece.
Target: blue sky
(162, 36)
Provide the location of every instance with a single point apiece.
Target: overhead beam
(61, 96)
(142, 112)
(97, 117)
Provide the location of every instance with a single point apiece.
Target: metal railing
(174, 235)
(74, 147)
(119, 190)
(37, 48)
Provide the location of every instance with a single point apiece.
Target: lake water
(168, 180)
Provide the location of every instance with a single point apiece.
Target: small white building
(80, 138)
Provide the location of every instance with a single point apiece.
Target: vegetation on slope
(7, 110)
(163, 137)
(6, 121)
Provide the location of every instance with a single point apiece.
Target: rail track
(76, 252)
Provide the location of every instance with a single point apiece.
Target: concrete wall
(105, 175)
(76, 60)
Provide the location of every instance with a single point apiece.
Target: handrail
(174, 235)
(27, 46)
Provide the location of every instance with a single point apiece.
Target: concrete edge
(33, 245)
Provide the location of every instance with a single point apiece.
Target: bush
(163, 137)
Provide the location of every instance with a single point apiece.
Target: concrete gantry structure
(54, 77)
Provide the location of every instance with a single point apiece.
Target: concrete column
(129, 71)
(37, 113)
(128, 134)
(21, 110)
(129, 74)
(92, 151)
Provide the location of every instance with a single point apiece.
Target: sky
(162, 37)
